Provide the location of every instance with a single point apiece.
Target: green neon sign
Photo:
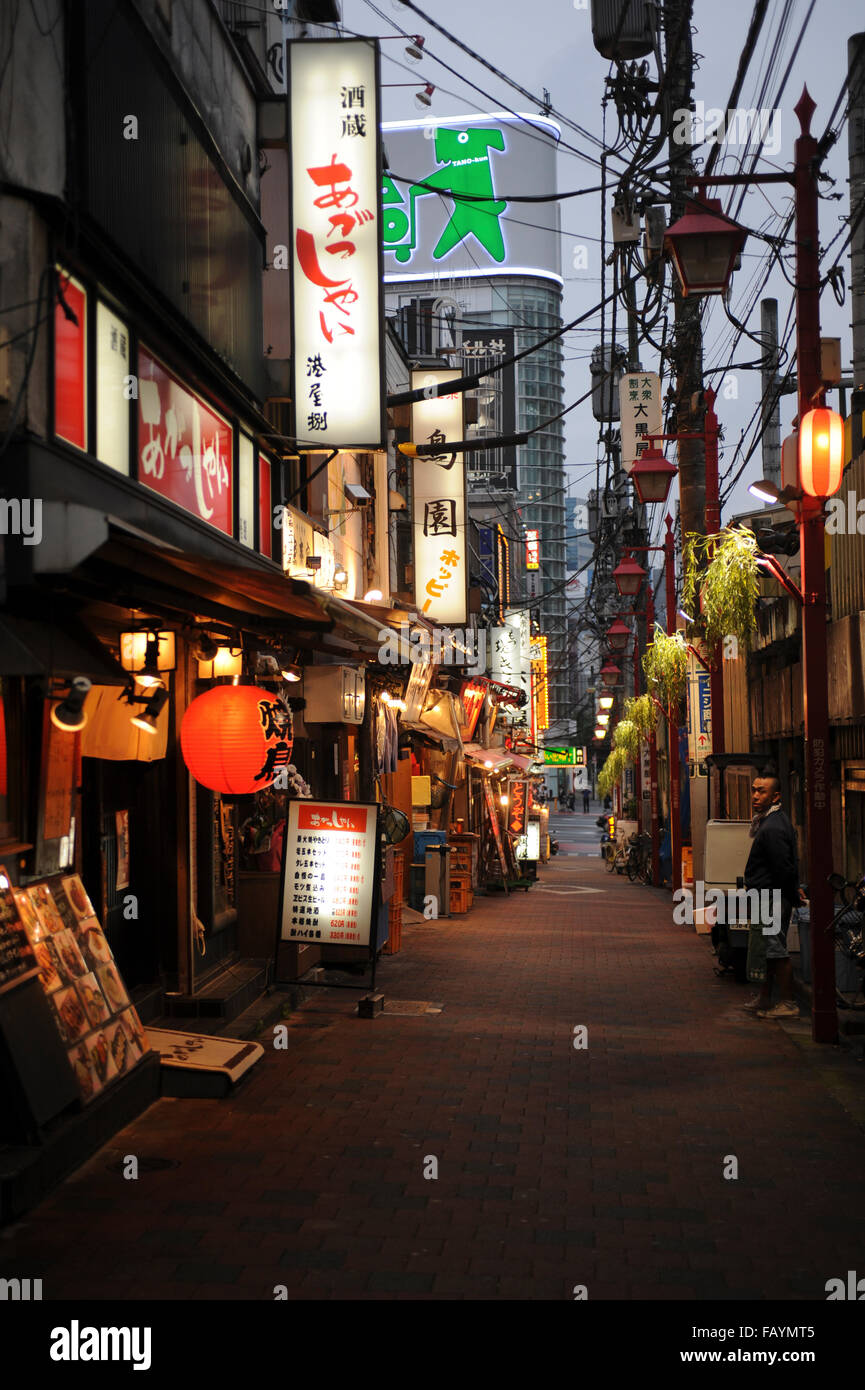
(560, 757)
(465, 155)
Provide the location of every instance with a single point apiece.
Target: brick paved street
(556, 1167)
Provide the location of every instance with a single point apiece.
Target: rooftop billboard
(445, 198)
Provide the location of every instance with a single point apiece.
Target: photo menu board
(329, 872)
(16, 954)
(98, 1025)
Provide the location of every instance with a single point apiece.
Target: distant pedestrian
(587, 796)
(773, 865)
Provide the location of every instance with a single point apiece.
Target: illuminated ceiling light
(652, 476)
(290, 673)
(340, 577)
(151, 712)
(821, 452)
(68, 714)
(505, 800)
(628, 576)
(704, 245)
(373, 596)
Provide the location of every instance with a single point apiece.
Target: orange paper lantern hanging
(235, 739)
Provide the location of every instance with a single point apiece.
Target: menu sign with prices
(16, 954)
(328, 886)
(89, 1003)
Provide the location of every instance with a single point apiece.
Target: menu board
(99, 1027)
(16, 953)
(329, 872)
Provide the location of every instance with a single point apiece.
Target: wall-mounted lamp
(151, 712)
(68, 714)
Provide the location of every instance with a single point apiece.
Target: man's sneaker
(754, 1005)
(785, 1008)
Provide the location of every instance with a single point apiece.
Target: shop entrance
(127, 870)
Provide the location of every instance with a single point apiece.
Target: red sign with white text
(185, 447)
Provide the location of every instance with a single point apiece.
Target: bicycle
(616, 855)
(639, 863)
(848, 928)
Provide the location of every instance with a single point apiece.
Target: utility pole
(856, 156)
(688, 341)
(771, 409)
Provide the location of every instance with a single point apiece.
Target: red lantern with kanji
(235, 739)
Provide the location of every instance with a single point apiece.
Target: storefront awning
(141, 571)
(489, 759)
(527, 764)
(56, 645)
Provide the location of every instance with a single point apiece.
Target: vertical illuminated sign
(439, 505)
(70, 361)
(112, 402)
(540, 683)
(335, 251)
(533, 550)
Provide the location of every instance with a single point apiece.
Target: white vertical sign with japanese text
(439, 505)
(640, 407)
(335, 253)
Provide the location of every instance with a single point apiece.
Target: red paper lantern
(821, 452)
(235, 739)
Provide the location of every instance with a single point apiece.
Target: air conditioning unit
(334, 695)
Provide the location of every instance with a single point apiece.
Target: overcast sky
(549, 44)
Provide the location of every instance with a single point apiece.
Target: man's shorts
(776, 946)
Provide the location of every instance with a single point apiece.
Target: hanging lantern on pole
(704, 245)
(821, 452)
(236, 738)
(652, 476)
(628, 576)
(610, 674)
(618, 635)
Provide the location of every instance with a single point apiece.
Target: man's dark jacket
(773, 861)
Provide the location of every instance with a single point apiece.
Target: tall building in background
(470, 276)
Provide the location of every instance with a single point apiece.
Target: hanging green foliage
(642, 713)
(720, 584)
(626, 736)
(666, 667)
(611, 771)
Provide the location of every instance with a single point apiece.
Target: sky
(548, 44)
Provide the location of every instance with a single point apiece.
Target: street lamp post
(810, 391)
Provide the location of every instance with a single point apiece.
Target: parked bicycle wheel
(633, 866)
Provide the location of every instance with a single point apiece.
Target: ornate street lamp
(652, 476)
(704, 245)
(610, 674)
(618, 635)
(628, 576)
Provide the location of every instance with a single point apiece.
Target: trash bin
(848, 976)
(437, 879)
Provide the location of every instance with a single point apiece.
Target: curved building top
(430, 233)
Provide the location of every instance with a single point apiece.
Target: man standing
(773, 864)
(587, 796)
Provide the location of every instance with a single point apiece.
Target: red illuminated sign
(70, 362)
(185, 448)
(533, 550)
